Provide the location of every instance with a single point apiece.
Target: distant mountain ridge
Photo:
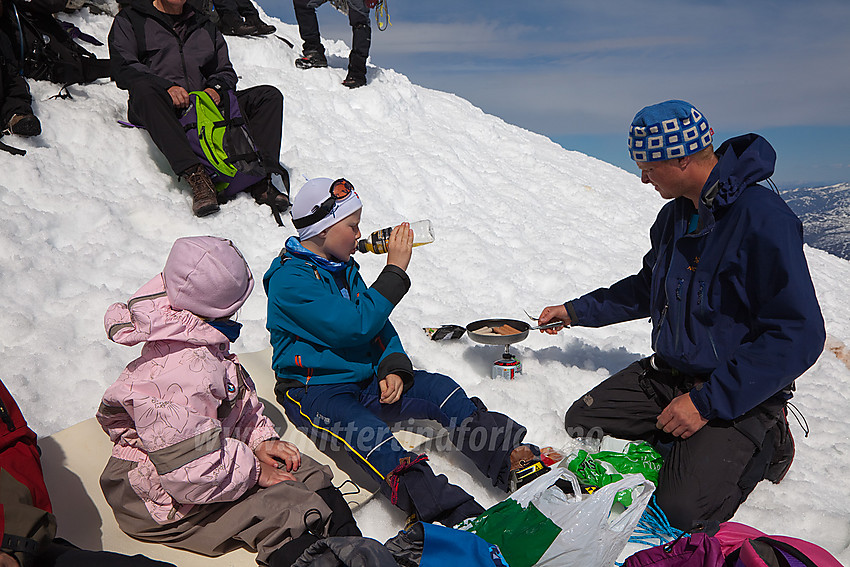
(825, 212)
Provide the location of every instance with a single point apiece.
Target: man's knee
(576, 420)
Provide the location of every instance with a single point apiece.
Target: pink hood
(185, 410)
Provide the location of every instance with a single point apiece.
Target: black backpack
(51, 54)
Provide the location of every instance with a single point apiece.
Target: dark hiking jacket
(143, 46)
(732, 302)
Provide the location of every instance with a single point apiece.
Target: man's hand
(400, 246)
(680, 418)
(391, 388)
(551, 314)
(7, 560)
(266, 452)
(179, 96)
(213, 95)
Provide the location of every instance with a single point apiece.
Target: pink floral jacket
(185, 410)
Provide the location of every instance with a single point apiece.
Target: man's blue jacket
(320, 336)
(732, 302)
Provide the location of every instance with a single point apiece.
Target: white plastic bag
(591, 535)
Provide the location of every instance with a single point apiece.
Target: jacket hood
(742, 161)
(149, 317)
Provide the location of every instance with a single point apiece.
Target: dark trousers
(352, 415)
(62, 554)
(242, 7)
(151, 106)
(358, 17)
(704, 477)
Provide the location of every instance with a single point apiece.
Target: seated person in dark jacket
(735, 320)
(183, 51)
(16, 114)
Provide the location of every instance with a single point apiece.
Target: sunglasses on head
(340, 189)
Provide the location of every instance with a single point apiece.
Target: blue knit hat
(668, 130)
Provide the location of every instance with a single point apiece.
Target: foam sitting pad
(74, 458)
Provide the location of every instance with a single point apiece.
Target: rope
(653, 528)
(382, 12)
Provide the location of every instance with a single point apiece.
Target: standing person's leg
(335, 414)
(308, 27)
(361, 41)
(151, 106)
(248, 11)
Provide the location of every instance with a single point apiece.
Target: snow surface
(89, 215)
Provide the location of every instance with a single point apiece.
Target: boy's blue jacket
(732, 302)
(321, 337)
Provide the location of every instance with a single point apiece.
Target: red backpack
(20, 473)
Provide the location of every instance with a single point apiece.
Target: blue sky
(578, 72)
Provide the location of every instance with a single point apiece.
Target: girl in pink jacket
(196, 465)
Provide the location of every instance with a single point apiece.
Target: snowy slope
(90, 213)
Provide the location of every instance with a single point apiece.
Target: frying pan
(520, 326)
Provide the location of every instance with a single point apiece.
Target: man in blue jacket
(343, 376)
(735, 319)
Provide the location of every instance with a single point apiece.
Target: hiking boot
(232, 24)
(354, 80)
(265, 193)
(24, 125)
(526, 465)
(311, 60)
(783, 456)
(260, 27)
(204, 200)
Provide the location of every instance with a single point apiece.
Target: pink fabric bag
(696, 550)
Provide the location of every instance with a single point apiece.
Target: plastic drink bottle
(423, 233)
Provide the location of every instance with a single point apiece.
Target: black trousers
(262, 106)
(358, 17)
(705, 477)
(62, 554)
(242, 7)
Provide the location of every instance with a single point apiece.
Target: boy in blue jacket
(735, 319)
(343, 376)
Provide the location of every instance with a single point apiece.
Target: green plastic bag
(605, 467)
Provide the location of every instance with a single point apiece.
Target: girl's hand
(271, 475)
(277, 453)
(400, 246)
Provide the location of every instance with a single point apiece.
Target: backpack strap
(137, 20)
(789, 549)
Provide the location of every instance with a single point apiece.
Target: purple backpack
(696, 550)
(745, 546)
(221, 140)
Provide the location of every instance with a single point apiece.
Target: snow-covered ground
(89, 214)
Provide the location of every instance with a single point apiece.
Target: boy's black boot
(413, 487)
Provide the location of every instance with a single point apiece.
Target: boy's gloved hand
(400, 246)
(391, 388)
(274, 454)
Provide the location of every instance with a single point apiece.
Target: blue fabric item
(447, 547)
(354, 414)
(318, 335)
(668, 130)
(296, 249)
(228, 328)
(733, 301)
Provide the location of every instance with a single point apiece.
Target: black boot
(492, 454)
(24, 125)
(265, 193)
(231, 23)
(413, 487)
(260, 27)
(311, 60)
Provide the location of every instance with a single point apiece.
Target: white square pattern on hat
(671, 139)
